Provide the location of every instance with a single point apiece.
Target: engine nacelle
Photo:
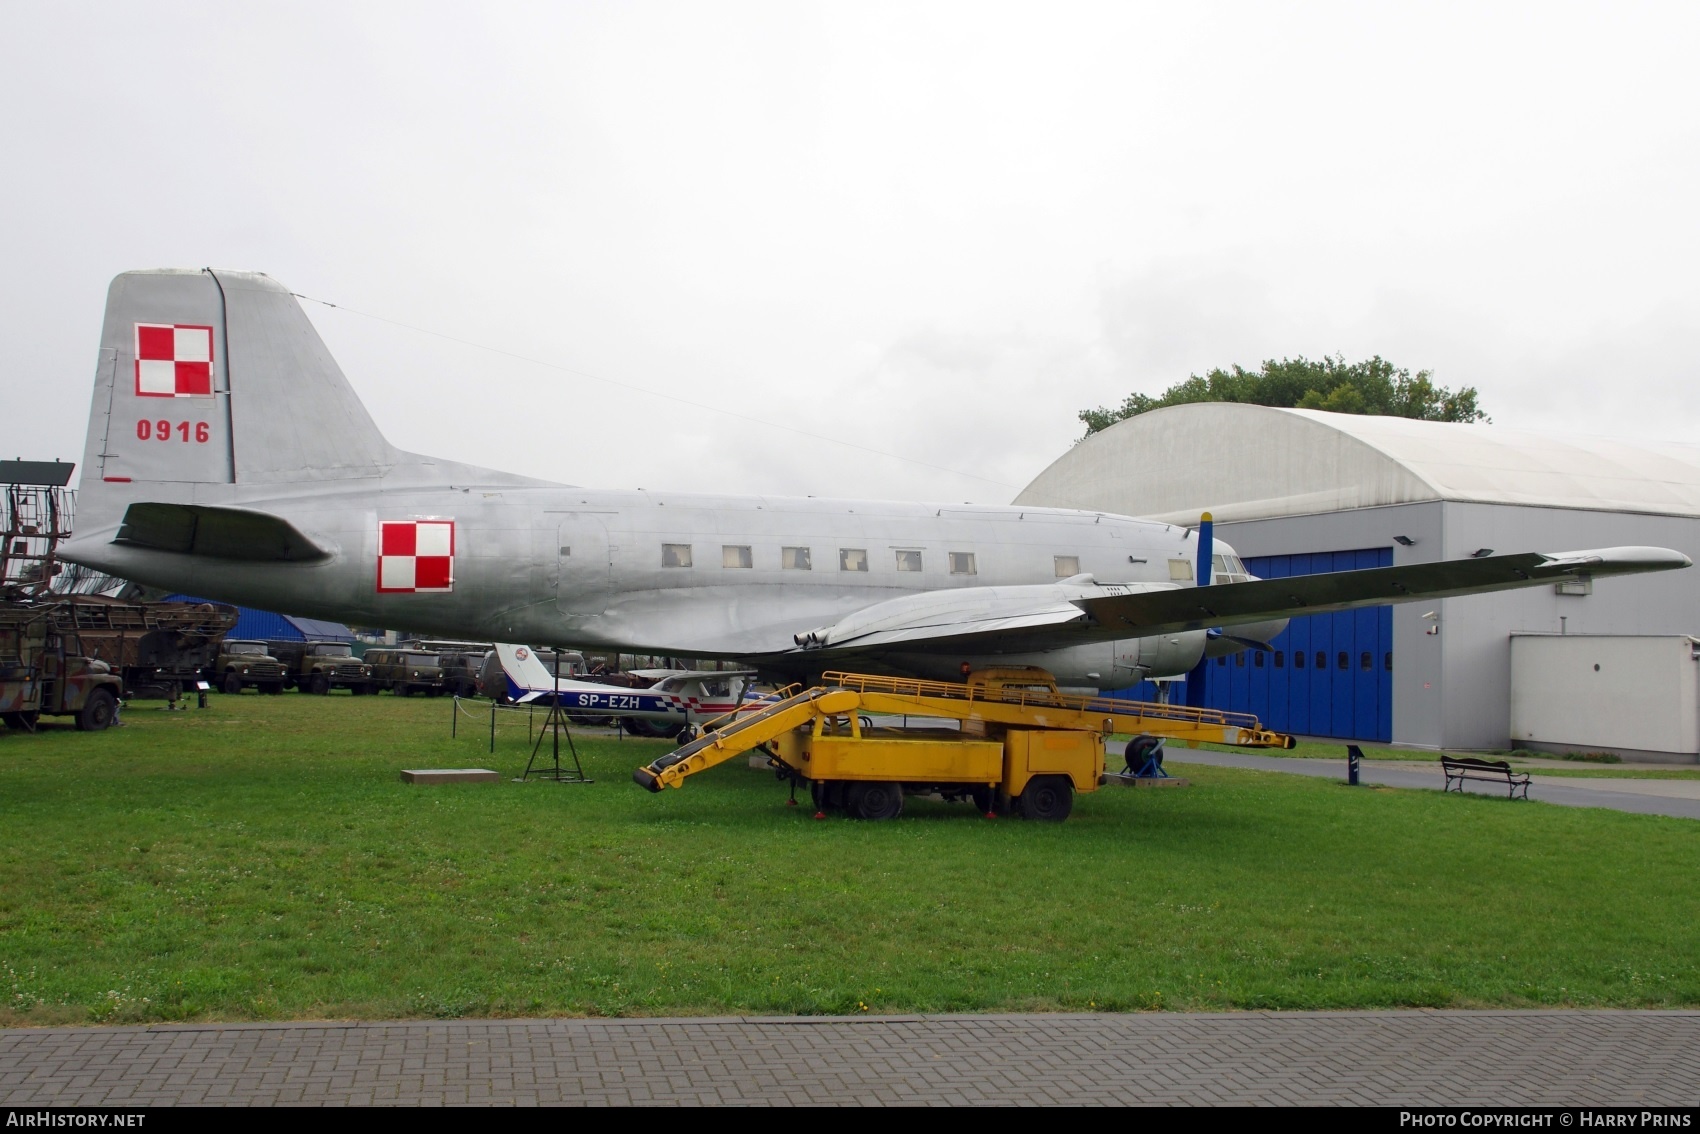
(1101, 665)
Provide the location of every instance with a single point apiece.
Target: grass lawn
(262, 860)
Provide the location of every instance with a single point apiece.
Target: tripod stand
(553, 726)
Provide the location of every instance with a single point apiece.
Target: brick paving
(1371, 1058)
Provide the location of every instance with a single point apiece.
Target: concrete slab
(450, 776)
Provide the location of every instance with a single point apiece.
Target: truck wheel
(358, 689)
(1048, 798)
(319, 685)
(24, 722)
(875, 800)
(272, 689)
(232, 684)
(98, 711)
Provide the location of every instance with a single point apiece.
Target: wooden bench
(1493, 771)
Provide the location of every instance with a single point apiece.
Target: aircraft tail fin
(217, 377)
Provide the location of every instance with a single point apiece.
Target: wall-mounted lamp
(1404, 541)
(1433, 620)
(1481, 553)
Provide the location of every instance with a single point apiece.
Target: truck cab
(407, 671)
(41, 673)
(318, 667)
(248, 663)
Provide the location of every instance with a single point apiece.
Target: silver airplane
(228, 456)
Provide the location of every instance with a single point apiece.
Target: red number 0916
(199, 432)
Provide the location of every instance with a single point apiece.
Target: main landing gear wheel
(232, 684)
(98, 712)
(875, 800)
(1048, 798)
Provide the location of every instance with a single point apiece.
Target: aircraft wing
(1072, 612)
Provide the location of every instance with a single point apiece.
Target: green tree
(1374, 386)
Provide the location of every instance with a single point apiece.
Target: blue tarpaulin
(263, 624)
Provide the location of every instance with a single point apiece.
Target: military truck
(243, 663)
(319, 667)
(405, 672)
(40, 674)
(158, 648)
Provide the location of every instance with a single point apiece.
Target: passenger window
(794, 559)
(733, 556)
(961, 563)
(1342, 660)
(1257, 659)
(852, 559)
(1298, 659)
(909, 561)
(1365, 663)
(1180, 570)
(1321, 660)
(1239, 659)
(1066, 565)
(1280, 659)
(1221, 661)
(1387, 661)
(675, 555)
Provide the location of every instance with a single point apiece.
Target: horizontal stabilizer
(217, 533)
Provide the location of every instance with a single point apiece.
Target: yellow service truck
(1015, 743)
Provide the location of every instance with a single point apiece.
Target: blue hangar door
(1327, 674)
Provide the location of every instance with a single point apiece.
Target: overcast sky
(931, 230)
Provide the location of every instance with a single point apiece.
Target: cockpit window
(1228, 569)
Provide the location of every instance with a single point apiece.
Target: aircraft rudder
(214, 377)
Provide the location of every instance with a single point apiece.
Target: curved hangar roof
(1245, 462)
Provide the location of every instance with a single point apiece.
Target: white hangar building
(1297, 492)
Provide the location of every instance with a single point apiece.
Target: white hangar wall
(1291, 482)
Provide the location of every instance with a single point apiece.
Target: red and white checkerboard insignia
(173, 360)
(416, 556)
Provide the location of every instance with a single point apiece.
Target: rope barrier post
(454, 717)
(492, 726)
(1354, 756)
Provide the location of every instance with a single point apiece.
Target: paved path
(1680, 798)
(1385, 1058)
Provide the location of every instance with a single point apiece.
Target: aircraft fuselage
(646, 571)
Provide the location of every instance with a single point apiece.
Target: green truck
(41, 673)
(319, 667)
(242, 663)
